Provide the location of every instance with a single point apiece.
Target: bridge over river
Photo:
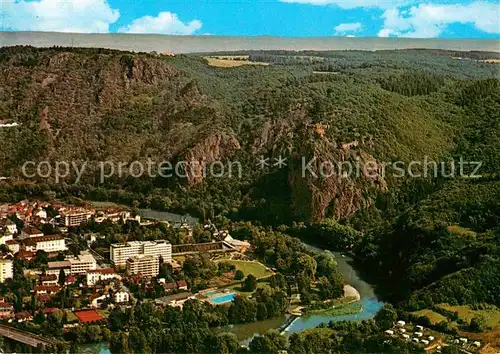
(24, 337)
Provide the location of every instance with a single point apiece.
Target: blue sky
(301, 18)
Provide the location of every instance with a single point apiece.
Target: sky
(290, 18)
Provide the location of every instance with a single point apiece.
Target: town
(51, 263)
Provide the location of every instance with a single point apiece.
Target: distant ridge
(196, 44)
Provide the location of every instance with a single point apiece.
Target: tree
(250, 283)
(62, 277)
(269, 343)
(386, 317)
(239, 275)
(478, 324)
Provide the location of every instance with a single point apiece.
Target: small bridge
(24, 337)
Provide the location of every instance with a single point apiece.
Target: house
(23, 316)
(406, 336)
(169, 287)
(96, 300)
(402, 330)
(463, 340)
(30, 231)
(13, 246)
(6, 310)
(389, 332)
(419, 334)
(182, 285)
(424, 342)
(70, 279)
(476, 344)
(26, 255)
(50, 279)
(8, 226)
(47, 289)
(415, 340)
(96, 275)
(49, 310)
(420, 328)
(175, 300)
(401, 323)
(121, 297)
(431, 338)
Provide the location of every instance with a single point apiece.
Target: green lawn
(249, 267)
(434, 317)
(492, 316)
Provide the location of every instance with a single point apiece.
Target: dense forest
(424, 240)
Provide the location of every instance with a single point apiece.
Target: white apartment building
(75, 265)
(6, 268)
(121, 252)
(101, 274)
(49, 243)
(82, 263)
(70, 218)
(145, 265)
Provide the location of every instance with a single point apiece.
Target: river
(245, 332)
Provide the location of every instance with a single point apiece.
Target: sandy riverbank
(350, 291)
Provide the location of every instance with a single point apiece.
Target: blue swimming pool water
(223, 299)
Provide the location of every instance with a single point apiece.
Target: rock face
(212, 150)
(331, 178)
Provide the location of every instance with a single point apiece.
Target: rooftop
(102, 271)
(32, 241)
(30, 230)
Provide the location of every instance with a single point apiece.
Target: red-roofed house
(182, 285)
(47, 289)
(30, 231)
(88, 316)
(23, 316)
(6, 310)
(50, 310)
(50, 279)
(25, 255)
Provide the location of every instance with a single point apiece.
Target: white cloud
(430, 20)
(345, 28)
(164, 23)
(351, 4)
(58, 15)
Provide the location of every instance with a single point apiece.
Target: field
(492, 316)
(231, 61)
(249, 267)
(434, 317)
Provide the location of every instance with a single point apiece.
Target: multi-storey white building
(49, 243)
(121, 252)
(75, 265)
(6, 268)
(145, 265)
(101, 274)
(73, 217)
(82, 263)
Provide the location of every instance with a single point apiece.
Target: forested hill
(97, 105)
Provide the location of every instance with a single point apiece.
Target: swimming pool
(223, 299)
